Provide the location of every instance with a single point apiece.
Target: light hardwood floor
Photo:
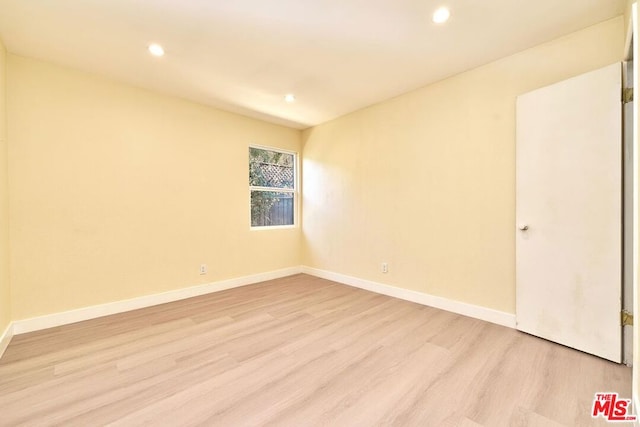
(297, 351)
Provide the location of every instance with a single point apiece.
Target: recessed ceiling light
(290, 98)
(441, 15)
(156, 50)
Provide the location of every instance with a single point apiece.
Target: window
(272, 183)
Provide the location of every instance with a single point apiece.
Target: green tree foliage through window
(272, 183)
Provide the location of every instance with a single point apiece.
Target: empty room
(318, 213)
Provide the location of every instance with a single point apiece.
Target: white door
(568, 212)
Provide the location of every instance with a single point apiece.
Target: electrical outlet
(385, 267)
(203, 268)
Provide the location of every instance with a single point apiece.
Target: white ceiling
(243, 56)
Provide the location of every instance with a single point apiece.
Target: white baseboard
(5, 338)
(92, 312)
(57, 319)
(470, 310)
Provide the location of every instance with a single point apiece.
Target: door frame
(628, 225)
(632, 51)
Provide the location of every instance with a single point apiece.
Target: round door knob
(524, 227)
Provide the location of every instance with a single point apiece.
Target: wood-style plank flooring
(298, 351)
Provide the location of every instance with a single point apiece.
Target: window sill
(273, 227)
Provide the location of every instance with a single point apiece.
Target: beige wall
(5, 291)
(426, 181)
(117, 192)
(627, 17)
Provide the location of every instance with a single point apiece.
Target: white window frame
(293, 190)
